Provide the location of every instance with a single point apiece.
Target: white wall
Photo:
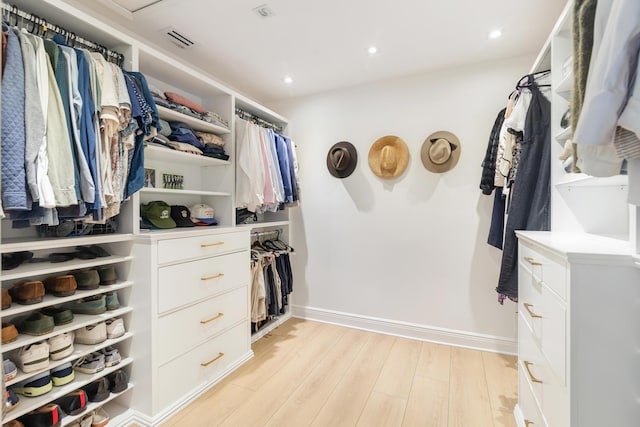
(410, 251)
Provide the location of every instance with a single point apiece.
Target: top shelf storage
(195, 124)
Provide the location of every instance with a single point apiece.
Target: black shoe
(46, 416)
(73, 403)
(118, 381)
(98, 390)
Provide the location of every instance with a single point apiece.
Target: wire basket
(78, 228)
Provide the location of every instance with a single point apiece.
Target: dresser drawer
(528, 406)
(186, 328)
(546, 267)
(185, 248)
(201, 365)
(554, 333)
(529, 299)
(530, 359)
(193, 281)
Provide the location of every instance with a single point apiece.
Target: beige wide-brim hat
(342, 159)
(440, 151)
(389, 157)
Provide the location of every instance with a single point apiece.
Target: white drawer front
(186, 328)
(193, 281)
(547, 267)
(185, 248)
(529, 298)
(201, 365)
(554, 334)
(526, 401)
(530, 359)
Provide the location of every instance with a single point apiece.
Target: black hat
(182, 216)
(342, 159)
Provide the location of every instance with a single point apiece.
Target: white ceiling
(323, 45)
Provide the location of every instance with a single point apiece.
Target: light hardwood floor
(307, 373)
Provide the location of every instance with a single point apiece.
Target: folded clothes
(165, 128)
(186, 110)
(210, 138)
(179, 99)
(188, 148)
(181, 132)
(155, 92)
(215, 118)
(213, 149)
(217, 156)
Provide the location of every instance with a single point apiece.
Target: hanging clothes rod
(40, 27)
(257, 120)
(258, 234)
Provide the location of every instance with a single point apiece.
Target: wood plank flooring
(307, 373)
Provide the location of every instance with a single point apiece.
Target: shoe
(35, 386)
(61, 316)
(9, 333)
(6, 299)
(98, 390)
(63, 374)
(11, 400)
(118, 381)
(84, 421)
(33, 357)
(61, 345)
(13, 260)
(90, 364)
(115, 328)
(111, 356)
(46, 416)
(111, 300)
(13, 423)
(100, 418)
(10, 370)
(107, 275)
(27, 292)
(87, 279)
(35, 324)
(92, 334)
(61, 286)
(90, 305)
(94, 250)
(73, 403)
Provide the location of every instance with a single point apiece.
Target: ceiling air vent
(179, 39)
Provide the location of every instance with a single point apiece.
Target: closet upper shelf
(583, 180)
(564, 135)
(195, 124)
(184, 192)
(29, 244)
(152, 152)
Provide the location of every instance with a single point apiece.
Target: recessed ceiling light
(288, 79)
(372, 50)
(495, 34)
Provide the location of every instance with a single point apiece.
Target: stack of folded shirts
(180, 132)
(213, 150)
(210, 138)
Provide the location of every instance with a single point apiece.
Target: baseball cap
(182, 216)
(202, 214)
(158, 213)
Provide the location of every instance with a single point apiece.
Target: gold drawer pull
(527, 423)
(533, 379)
(532, 261)
(531, 313)
(208, 245)
(215, 276)
(219, 315)
(219, 356)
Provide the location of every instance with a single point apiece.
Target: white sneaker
(33, 357)
(61, 345)
(100, 418)
(92, 334)
(115, 328)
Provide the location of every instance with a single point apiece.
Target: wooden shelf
(184, 192)
(195, 124)
(35, 244)
(152, 152)
(37, 269)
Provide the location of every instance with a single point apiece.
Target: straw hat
(440, 151)
(388, 157)
(342, 159)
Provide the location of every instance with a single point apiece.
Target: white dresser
(578, 331)
(196, 329)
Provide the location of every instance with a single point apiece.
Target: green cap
(158, 213)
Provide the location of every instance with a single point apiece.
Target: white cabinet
(578, 329)
(194, 327)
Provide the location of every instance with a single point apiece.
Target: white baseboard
(409, 330)
(146, 421)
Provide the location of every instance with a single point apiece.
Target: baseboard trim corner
(409, 330)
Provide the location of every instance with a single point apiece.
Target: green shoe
(87, 279)
(112, 301)
(61, 316)
(107, 275)
(35, 324)
(90, 305)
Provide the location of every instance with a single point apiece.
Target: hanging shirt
(285, 170)
(249, 170)
(278, 187)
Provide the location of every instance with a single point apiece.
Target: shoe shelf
(79, 350)
(92, 406)
(184, 192)
(50, 300)
(158, 153)
(16, 244)
(27, 270)
(28, 404)
(195, 124)
(79, 321)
